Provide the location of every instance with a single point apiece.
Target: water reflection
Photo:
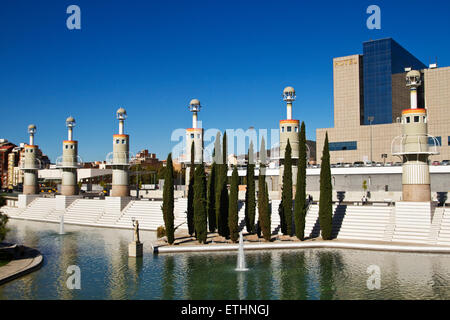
(108, 273)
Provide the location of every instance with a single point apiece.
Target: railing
(121, 158)
(398, 145)
(62, 163)
(26, 165)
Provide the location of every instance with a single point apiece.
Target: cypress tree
(200, 213)
(223, 192)
(233, 220)
(300, 194)
(168, 201)
(212, 198)
(250, 201)
(287, 189)
(190, 208)
(218, 175)
(263, 197)
(326, 193)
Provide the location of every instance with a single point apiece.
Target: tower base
(30, 189)
(120, 191)
(69, 190)
(416, 193)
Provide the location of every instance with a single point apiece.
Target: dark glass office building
(384, 63)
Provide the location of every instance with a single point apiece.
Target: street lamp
(370, 119)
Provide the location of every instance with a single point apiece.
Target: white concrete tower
(120, 159)
(194, 135)
(414, 146)
(30, 164)
(289, 130)
(69, 162)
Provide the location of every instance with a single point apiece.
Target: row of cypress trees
(294, 218)
(211, 207)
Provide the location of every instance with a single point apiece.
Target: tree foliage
(287, 189)
(190, 207)
(168, 202)
(300, 194)
(200, 213)
(222, 193)
(211, 206)
(250, 199)
(263, 197)
(326, 193)
(233, 220)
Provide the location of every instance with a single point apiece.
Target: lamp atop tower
(31, 131)
(289, 94)
(70, 123)
(121, 115)
(413, 81)
(289, 97)
(194, 107)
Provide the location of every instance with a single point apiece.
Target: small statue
(136, 231)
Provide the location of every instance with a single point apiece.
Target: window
(282, 129)
(448, 142)
(198, 135)
(431, 141)
(343, 146)
(117, 141)
(416, 118)
(289, 129)
(408, 119)
(192, 136)
(67, 146)
(123, 141)
(424, 119)
(296, 129)
(72, 146)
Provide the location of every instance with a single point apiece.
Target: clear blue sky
(152, 57)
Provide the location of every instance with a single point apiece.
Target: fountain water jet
(61, 225)
(241, 257)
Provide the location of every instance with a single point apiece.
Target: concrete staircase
(361, 222)
(275, 223)
(312, 227)
(180, 213)
(111, 218)
(436, 225)
(444, 232)
(148, 213)
(412, 222)
(84, 211)
(39, 209)
(11, 212)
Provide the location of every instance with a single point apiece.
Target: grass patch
(4, 262)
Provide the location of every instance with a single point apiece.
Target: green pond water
(108, 273)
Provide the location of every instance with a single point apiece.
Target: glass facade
(431, 141)
(342, 146)
(381, 59)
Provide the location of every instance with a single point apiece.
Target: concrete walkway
(27, 261)
(192, 246)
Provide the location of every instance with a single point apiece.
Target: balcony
(399, 147)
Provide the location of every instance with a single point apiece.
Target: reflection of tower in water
(68, 256)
